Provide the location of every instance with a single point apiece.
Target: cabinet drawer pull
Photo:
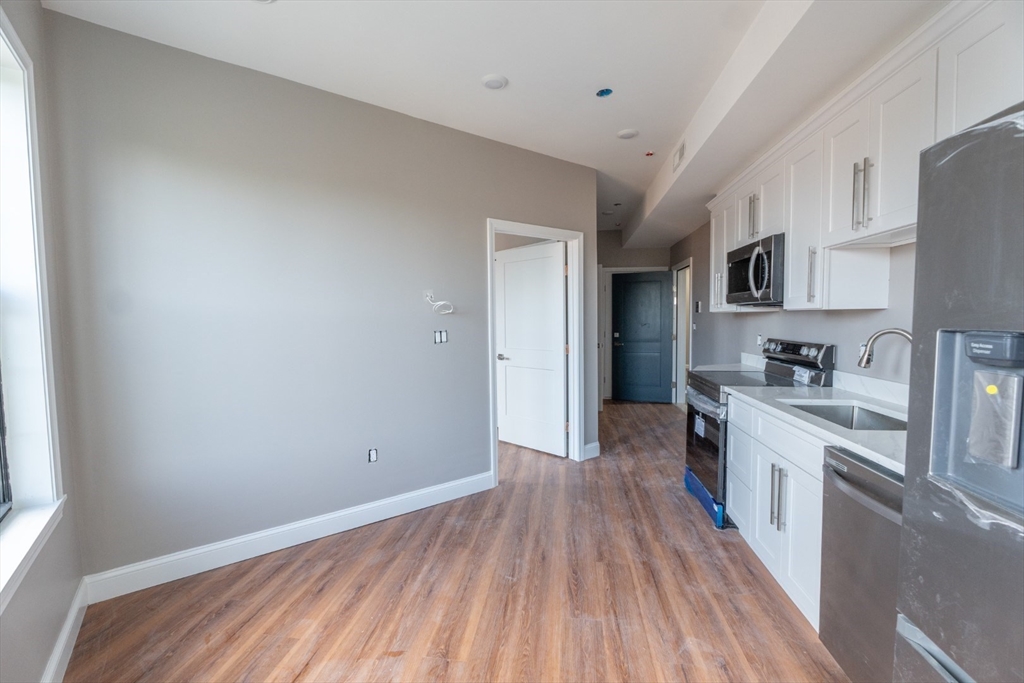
(854, 223)
(866, 210)
(812, 257)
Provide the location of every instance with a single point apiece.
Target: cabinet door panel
(804, 260)
(981, 67)
(722, 221)
(902, 124)
(739, 454)
(737, 504)
(743, 230)
(800, 572)
(769, 209)
(765, 538)
(846, 145)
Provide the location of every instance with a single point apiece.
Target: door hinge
(673, 385)
(567, 270)
(567, 349)
(674, 337)
(566, 427)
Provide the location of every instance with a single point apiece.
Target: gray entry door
(642, 337)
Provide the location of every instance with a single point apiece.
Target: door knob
(502, 356)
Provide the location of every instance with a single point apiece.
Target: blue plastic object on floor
(715, 510)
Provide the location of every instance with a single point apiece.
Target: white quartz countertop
(886, 448)
(728, 367)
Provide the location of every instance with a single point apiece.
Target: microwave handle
(750, 272)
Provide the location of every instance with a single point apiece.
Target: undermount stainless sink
(853, 417)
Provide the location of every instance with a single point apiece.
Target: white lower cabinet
(778, 509)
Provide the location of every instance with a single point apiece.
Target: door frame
(681, 305)
(574, 329)
(604, 321)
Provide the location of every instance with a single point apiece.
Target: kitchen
(848, 305)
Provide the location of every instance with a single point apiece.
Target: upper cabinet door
(769, 203)
(902, 125)
(803, 219)
(845, 148)
(723, 220)
(981, 67)
(746, 221)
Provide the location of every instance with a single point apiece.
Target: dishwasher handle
(862, 498)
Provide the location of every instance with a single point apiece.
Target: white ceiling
(426, 59)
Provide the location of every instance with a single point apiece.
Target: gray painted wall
(245, 259)
(720, 337)
(610, 253)
(32, 621)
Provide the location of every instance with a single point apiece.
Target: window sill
(23, 534)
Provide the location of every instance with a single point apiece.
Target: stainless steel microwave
(755, 273)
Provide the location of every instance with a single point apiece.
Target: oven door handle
(750, 272)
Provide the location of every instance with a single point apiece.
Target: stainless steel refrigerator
(961, 585)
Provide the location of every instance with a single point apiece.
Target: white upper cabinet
(981, 67)
(759, 206)
(803, 214)
(723, 222)
(902, 125)
(846, 148)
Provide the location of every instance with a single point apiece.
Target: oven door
(755, 273)
(705, 456)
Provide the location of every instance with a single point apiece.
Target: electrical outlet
(372, 456)
(759, 342)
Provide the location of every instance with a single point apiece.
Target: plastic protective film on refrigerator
(976, 433)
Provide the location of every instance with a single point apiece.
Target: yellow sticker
(992, 389)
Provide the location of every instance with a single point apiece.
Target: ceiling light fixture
(607, 213)
(604, 92)
(628, 134)
(648, 154)
(495, 81)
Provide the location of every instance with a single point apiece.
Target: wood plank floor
(601, 571)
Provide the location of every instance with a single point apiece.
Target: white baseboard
(134, 577)
(61, 655)
(591, 450)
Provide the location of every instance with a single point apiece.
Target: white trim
(57, 666)
(10, 36)
(591, 450)
(685, 263)
(24, 533)
(134, 577)
(574, 320)
(604, 320)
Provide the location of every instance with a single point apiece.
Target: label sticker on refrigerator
(698, 425)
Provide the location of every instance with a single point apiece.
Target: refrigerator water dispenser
(978, 416)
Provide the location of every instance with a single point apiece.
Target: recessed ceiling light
(604, 92)
(628, 134)
(495, 81)
(648, 154)
(607, 213)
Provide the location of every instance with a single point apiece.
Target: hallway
(601, 571)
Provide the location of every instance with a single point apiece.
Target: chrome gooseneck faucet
(868, 354)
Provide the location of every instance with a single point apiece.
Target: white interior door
(530, 339)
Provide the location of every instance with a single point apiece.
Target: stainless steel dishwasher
(860, 550)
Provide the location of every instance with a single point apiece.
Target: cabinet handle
(757, 218)
(866, 210)
(812, 257)
(750, 216)
(854, 223)
(714, 296)
(778, 502)
(771, 500)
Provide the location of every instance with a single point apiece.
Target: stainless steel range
(787, 364)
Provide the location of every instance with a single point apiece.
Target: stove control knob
(813, 353)
(803, 350)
